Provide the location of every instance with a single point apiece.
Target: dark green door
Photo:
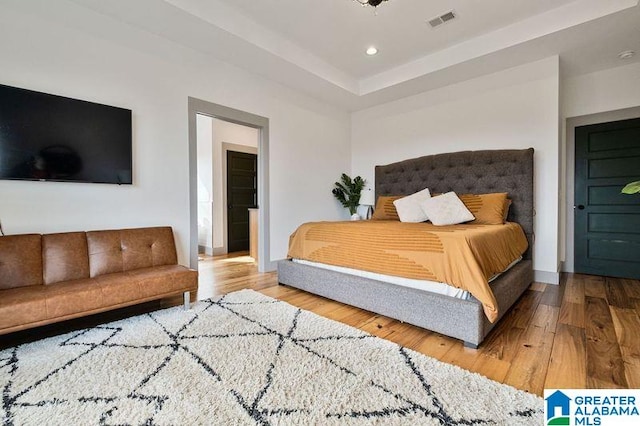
(607, 223)
(242, 194)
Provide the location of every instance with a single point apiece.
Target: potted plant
(347, 191)
(632, 188)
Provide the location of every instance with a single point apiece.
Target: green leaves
(632, 188)
(348, 190)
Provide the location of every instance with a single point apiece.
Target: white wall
(599, 97)
(70, 51)
(237, 134)
(516, 108)
(226, 133)
(607, 90)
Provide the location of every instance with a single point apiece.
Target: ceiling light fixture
(372, 51)
(373, 3)
(627, 54)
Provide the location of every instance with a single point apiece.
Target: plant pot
(355, 216)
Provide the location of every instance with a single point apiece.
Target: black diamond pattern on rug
(243, 359)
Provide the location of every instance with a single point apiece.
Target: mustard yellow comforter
(464, 256)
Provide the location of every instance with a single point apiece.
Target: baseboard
(272, 266)
(217, 251)
(546, 277)
(567, 267)
(205, 249)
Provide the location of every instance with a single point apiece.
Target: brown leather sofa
(55, 277)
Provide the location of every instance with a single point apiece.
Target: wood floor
(584, 333)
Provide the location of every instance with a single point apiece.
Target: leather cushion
(118, 289)
(129, 249)
(146, 247)
(20, 261)
(71, 297)
(20, 306)
(164, 279)
(105, 252)
(65, 257)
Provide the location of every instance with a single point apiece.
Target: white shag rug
(241, 359)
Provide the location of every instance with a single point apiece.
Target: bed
(464, 172)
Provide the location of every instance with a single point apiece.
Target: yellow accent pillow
(385, 210)
(507, 206)
(488, 209)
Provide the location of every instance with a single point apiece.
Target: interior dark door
(607, 223)
(242, 194)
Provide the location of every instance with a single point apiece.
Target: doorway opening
(227, 185)
(228, 171)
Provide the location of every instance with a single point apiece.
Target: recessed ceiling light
(372, 51)
(626, 54)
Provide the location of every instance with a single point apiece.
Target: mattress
(423, 285)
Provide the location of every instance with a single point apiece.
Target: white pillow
(409, 209)
(446, 209)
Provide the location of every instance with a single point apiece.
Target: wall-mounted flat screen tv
(52, 138)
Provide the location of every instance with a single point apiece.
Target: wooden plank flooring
(582, 333)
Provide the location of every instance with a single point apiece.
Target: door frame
(199, 106)
(571, 124)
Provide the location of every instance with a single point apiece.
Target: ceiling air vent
(439, 20)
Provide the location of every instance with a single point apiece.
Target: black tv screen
(53, 138)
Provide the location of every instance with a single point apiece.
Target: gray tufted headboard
(468, 172)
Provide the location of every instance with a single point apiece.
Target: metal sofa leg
(187, 300)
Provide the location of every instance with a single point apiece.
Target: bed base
(457, 318)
